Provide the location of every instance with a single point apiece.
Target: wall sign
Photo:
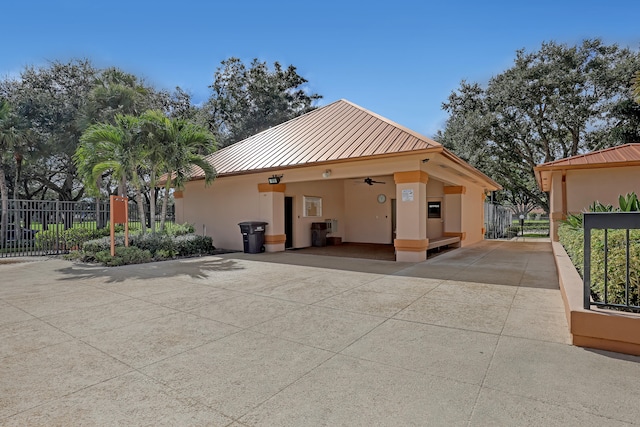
(407, 195)
(312, 206)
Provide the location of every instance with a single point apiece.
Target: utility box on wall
(332, 225)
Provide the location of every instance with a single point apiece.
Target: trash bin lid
(252, 223)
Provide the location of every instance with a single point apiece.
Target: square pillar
(272, 212)
(557, 202)
(411, 217)
(453, 202)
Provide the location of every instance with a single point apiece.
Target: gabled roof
(338, 131)
(622, 155)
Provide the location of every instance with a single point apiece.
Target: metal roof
(338, 131)
(620, 154)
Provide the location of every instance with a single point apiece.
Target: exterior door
(288, 221)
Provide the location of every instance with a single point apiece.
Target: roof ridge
(392, 123)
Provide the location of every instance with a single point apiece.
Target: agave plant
(629, 203)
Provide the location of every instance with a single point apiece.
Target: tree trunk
(152, 203)
(143, 222)
(4, 195)
(165, 202)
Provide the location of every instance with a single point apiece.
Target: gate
(497, 220)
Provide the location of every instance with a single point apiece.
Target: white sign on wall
(407, 195)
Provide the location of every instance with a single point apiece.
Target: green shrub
(159, 247)
(178, 229)
(571, 235)
(124, 256)
(102, 244)
(71, 238)
(191, 244)
(573, 241)
(152, 242)
(46, 239)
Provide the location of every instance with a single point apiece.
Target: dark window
(434, 209)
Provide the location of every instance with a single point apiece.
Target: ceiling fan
(370, 181)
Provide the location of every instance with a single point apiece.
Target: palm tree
(174, 146)
(12, 136)
(113, 149)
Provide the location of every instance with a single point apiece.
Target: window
(434, 209)
(312, 206)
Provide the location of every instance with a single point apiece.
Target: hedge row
(573, 241)
(145, 248)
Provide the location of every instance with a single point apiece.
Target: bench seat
(443, 241)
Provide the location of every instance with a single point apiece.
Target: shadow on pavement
(192, 267)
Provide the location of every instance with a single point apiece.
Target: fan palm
(174, 146)
(113, 149)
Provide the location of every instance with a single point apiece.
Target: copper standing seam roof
(622, 155)
(338, 131)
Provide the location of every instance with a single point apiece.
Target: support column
(272, 212)
(557, 202)
(411, 217)
(453, 205)
(178, 199)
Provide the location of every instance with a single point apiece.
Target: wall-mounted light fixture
(326, 174)
(274, 179)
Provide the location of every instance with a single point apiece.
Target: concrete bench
(443, 241)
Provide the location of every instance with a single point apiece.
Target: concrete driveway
(476, 336)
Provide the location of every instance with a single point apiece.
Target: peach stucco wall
(368, 221)
(472, 214)
(332, 194)
(435, 193)
(605, 185)
(216, 210)
(585, 186)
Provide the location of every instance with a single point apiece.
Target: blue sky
(400, 59)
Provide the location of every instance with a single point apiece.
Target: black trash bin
(319, 233)
(253, 236)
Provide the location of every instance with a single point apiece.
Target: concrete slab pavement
(474, 337)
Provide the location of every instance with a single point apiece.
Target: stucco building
(377, 181)
(576, 182)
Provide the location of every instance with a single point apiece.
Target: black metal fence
(48, 227)
(611, 267)
(497, 221)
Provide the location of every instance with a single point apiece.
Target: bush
(102, 244)
(571, 235)
(124, 256)
(573, 241)
(191, 244)
(178, 229)
(152, 242)
(159, 247)
(71, 238)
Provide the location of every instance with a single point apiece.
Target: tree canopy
(553, 103)
(245, 101)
